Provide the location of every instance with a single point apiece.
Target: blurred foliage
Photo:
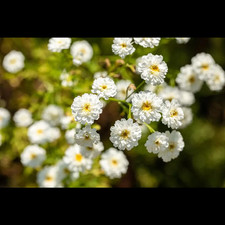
(200, 164)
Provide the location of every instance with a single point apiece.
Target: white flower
(176, 145)
(86, 108)
(33, 156)
(146, 106)
(188, 117)
(53, 133)
(93, 151)
(187, 98)
(66, 79)
(122, 86)
(66, 120)
(169, 93)
(13, 62)
(125, 134)
(155, 89)
(63, 171)
(156, 142)
(172, 114)
(202, 63)
(23, 118)
(76, 161)
(52, 114)
(114, 163)
(182, 40)
(147, 42)
(104, 87)
(122, 47)
(216, 80)
(152, 69)
(188, 79)
(70, 136)
(87, 136)
(102, 74)
(48, 177)
(4, 117)
(38, 132)
(58, 44)
(81, 51)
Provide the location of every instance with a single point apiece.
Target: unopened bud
(119, 62)
(105, 63)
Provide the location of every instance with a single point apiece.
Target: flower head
(104, 87)
(114, 163)
(146, 106)
(125, 134)
(147, 42)
(182, 40)
(4, 117)
(13, 62)
(122, 47)
(22, 118)
(93, 151)
(86, 108)
(152, 69)
(33, 156)
(58, 44)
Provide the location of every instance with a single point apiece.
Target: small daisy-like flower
(202, 63)
(187, 98)
(188, 117)
(155, 89)
(182, 40)
(38, 132)
(104, 87)
(169, 93)
(188, 79)
(114, 163)
(87, 136)
(58, 44)
(53, 133)
(122, 47)
(157, 142)
(93, 151)
(70, 136)
(146, 106)
(66, 79)
(216, 80)
(102, 74)
(152, 69)
(52, 114)
(23, 118)
(81, 51)
(86, 108)
(33, 156)
(176, 145)
(125, 134)
(66, 120)
(13, 62)
(147, 42)
(122, 86)
(4, 117)
(76, 161)
(48, 177)
(172, 114)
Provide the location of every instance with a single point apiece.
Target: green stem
(117, 100)
(138, 87)
(149, 127)
(129, 112)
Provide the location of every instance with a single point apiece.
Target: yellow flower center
(89, 148)
(125, 134)
(171, 146)
(12, 61)
(114, 162)
(33, 156)
(146, 106)
(217, 78)
(48, 178)
(78, 157)
(191, 79)
(104, 86)
(123, 45)
(205, 66)
(173, 113)
(87, 107)
(154, 68)
(39, 131)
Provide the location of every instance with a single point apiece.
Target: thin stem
(138, 87)
(129, 112)
(149, 127)
(118, 100)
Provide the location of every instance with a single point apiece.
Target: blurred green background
(200, 164)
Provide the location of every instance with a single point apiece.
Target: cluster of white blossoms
(13, 62)
(202, 69)
(81, 52)
(124, 46)
(66, 79)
